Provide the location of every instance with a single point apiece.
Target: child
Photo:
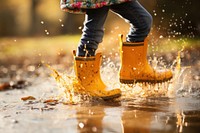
(134, 65)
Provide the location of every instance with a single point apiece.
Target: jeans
(140, 24)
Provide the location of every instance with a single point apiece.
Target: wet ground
(164, 108)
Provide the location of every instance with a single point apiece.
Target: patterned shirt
(79, 6)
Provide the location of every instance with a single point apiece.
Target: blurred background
(39, 30)
(34, 33)
(43, 17)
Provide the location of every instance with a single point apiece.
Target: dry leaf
(28, 98)
(4, 86)
(51, 101)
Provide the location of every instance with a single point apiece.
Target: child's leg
(134, 64)
(92, 32)
(138, 17)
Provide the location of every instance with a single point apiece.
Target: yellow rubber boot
(87, 70)
(135, 67)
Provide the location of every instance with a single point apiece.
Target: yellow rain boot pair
(134, 68)
(87, 70)
(134, 64)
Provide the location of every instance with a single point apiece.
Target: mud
(171, 110)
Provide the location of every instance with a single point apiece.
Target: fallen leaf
(28, 98)
(70, 103)
(4, 86)
(51, 101)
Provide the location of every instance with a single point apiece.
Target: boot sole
(111, 97)
(100, 97)
(125, 81)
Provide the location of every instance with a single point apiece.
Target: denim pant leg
(93, 31)
(138, 17)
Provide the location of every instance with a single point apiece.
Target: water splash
(68, 85)
(181, 83)
(73, 92)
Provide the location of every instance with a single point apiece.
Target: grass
(52, 46)
(173, 45)
(36, 46)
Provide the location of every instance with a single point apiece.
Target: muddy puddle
(40, 104)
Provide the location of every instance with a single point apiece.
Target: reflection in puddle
(180, 121)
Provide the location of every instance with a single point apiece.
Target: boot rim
(84, 58)
(132, 44)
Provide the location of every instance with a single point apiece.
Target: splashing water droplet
(160, 36)
(81, 125)
(46, 31)
(80, 27)
(81, 65)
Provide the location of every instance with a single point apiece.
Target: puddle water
(165, 107)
